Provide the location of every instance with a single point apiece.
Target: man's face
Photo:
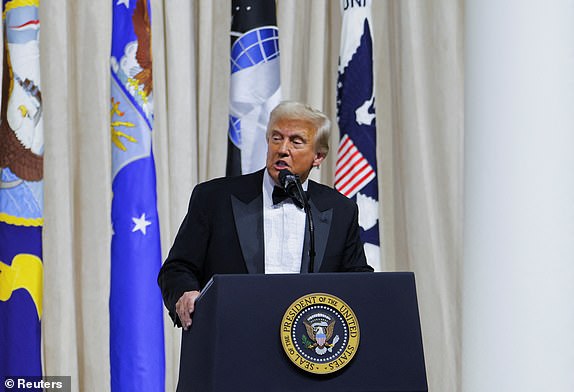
(291, 146)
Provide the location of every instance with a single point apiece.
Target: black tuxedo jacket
(222, 233)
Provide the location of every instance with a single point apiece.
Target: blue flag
(356, 169)
(137, 356)
(255, 83)
(21, 193)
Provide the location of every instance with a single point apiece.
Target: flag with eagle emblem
(356, 168)
(137, 358)
(21, 192)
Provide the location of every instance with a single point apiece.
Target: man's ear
(319, 157)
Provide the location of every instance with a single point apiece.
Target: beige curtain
(419, 84)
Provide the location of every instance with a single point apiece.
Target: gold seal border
(348, 316)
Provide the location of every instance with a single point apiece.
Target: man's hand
(185, 306)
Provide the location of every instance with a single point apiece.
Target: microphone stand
(307, 208)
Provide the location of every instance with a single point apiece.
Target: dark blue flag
(137, 356)
(356, 171)
(21, 193)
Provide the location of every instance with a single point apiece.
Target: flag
(356, 168)
(21, 193)
(255, 83)
(137, 356)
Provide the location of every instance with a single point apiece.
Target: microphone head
(292, 185)
(283, 175)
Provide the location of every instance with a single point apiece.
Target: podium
(236, 341)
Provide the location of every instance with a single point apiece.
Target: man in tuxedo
(240, 225)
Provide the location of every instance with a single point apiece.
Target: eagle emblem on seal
(320, 329)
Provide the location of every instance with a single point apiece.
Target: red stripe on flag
(363, 181)
(344, 165)
(345, 152)
(352, 170)
(356, 171)
(344, 145)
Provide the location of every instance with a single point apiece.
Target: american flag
(353, 170)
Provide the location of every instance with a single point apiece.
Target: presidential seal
(320, 333)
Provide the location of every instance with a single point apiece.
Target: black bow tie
(279, 195)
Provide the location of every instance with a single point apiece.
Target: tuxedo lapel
(248, 213)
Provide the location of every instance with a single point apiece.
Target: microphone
(291, 183)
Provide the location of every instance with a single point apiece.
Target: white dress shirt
(284, 231)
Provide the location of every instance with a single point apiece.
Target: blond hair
(301, 111)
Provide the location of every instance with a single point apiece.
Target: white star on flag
(140, 224)
(124, 2)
